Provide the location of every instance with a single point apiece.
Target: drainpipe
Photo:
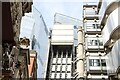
(80, 63)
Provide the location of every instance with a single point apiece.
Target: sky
(48, 8)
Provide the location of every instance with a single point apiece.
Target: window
(92, 42)
(95, 42)
(100, 42)
(90, 11)
(94, 62)
(33, 42)
(103, 62)
(64, 55)
(59, 54)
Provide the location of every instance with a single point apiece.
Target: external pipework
(80, 54)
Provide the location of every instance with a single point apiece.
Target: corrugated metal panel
(63, 27)
(62, 38)
(62, 43)
(63, 34)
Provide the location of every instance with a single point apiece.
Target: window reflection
(94, 42)
(97, 62)
(92, 26)
(94, 62)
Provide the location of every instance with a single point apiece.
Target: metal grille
(61, 64)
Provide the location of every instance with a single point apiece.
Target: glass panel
(59, 54)
(64, 55)
(92, 42)
(92, 26)
(100, 42)
(63, 19)
(95, 42)
(94, 62)
(90, 11)
(103, 62)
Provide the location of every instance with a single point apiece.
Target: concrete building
(64, 19)
(94, 60)
(63, 45)
(110, 26)
(61, 52)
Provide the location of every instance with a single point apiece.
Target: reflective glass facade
(34, 28)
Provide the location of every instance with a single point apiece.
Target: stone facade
(17, 11)
(12, 15)
(16, 15)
